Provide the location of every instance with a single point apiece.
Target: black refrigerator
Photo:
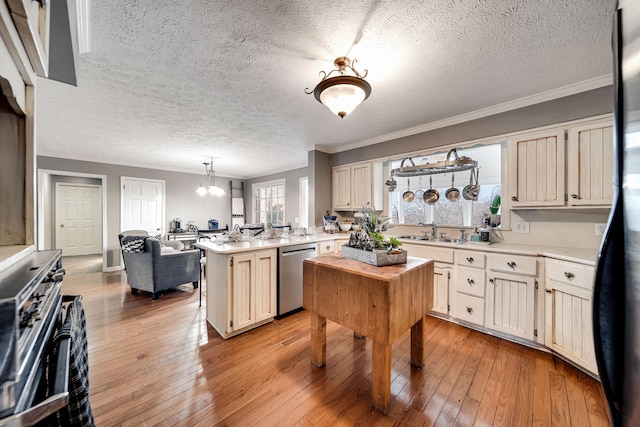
(616, 300)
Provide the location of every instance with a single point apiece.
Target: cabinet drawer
(429, 252)
(470, 281)
(571, 273)
(513, 264)
(470, 309)
(326, 247)
(471, 258)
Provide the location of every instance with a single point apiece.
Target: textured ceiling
(169, 83)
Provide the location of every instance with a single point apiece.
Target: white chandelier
(208, 185)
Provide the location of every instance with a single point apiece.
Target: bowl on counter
(345, 226)
(355, 227)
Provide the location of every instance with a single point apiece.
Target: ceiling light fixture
(211, 188)
(342, 93)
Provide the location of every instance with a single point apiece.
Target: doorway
(142, 204)
(46, 207)
(78, 222)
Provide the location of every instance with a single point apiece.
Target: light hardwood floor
(160, 363)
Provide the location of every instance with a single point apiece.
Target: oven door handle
(57, 401)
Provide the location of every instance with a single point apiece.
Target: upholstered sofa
(150, 269)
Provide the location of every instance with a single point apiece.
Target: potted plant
(370, 245)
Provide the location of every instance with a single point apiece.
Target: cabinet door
(266, 278)
(441, 278)
(590, 165)
(568, 323)
(360, 185)
(341, 186)
(510, 306)
(242, 291)
(536, 170)
(32, 22)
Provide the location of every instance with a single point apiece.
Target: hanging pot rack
(455, 164)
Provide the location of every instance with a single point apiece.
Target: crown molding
(572, 89)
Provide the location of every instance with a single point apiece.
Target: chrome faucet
(434, 229)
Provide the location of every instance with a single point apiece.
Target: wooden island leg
(381, 376)
(417, 344)
(318, 340)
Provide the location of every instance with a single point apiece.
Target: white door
(142, 204)
(78, 219)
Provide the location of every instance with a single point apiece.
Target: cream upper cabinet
(31, 19)
(354, 186)
(568, 308)
(569, 167)
(511, 294)
(590, 165)
(536, 169)
(341, 185)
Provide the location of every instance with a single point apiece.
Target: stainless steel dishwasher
(290, 260)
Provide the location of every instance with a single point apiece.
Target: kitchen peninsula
(242, 280)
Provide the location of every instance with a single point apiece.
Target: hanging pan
(452, 194)
(431, 196)
(471, 191)
(408, 195)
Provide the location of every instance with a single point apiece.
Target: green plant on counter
(370, 236)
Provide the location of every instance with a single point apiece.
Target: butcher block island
(381, 303)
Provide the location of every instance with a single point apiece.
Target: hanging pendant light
(208, 185)
(342, 93)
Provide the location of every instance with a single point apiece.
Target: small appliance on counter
(176, 226)
(330, 223)
(213, 224)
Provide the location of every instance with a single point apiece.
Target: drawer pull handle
(471, 282)
(514, 198)
(569, 275)
(470, 260)
(575, 196)
(469, 310)
(548, 291)
(491, 280)
(512, 264)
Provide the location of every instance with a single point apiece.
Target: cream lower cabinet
(441, 288)
(470, 287)
(442, 274)
(568, 308)
(241, 290)
(326, 247)
(511, 303)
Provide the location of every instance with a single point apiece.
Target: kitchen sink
(433, 239)
(454, 241)
(423, 238)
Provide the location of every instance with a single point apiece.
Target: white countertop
(255, 244)
(583, 256)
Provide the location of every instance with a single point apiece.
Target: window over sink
(461, 212)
